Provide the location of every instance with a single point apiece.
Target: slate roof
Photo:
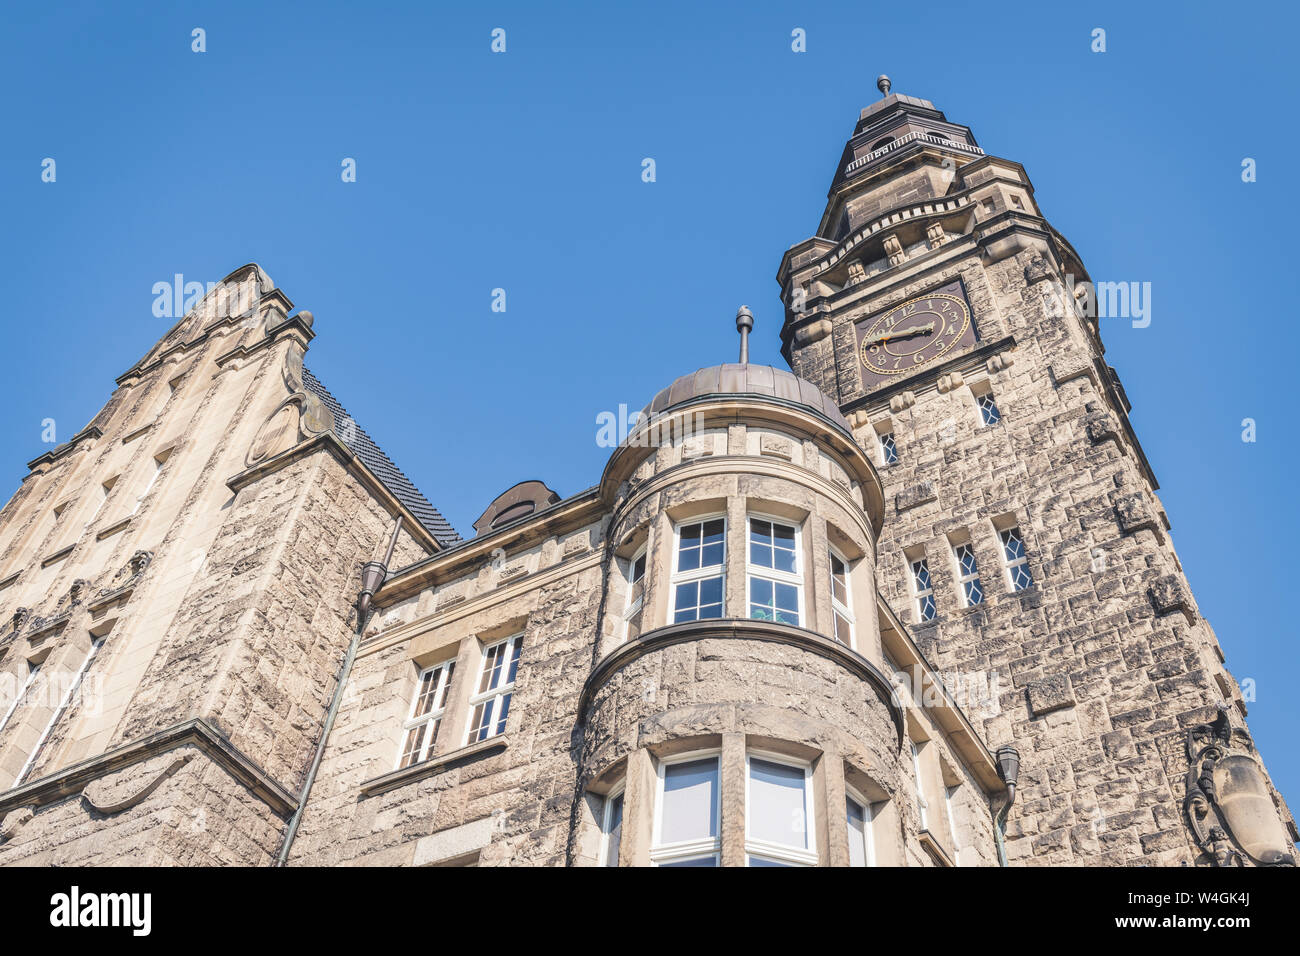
(364, 447)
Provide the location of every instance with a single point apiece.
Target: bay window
(778, 812)
(699, 571)
(841, 600)
(862, 851)
(774, 582)
(635, 596)
(611, 828)
(686, 831)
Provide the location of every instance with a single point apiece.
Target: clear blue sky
(522, 171)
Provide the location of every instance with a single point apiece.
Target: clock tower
(1023, 542)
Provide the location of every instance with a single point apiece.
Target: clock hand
(914, 330)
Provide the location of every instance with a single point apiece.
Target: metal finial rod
(883, 84)
(744, 322)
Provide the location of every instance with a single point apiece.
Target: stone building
(913, 604)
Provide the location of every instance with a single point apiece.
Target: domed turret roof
(745, 379)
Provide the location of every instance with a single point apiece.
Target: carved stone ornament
(77, 592)
(302, 415)
(1228, 805)
(121, 791)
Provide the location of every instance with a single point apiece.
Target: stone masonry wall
(526, 791)
(1105, 661)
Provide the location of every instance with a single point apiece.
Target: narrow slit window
(923, 590)
(862, 851)
(841, 600)
(64, 704)
(922, 806)
(611, 828)
(635, 597)
(989, 414)
(1013, 550)
(968, 575)
(158, 463)
(952, 819)
(888, 449)
(20, 693)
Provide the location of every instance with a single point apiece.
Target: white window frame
(494, 695)
(683, 850)
(21, 694)
(887, 449)
(697, 574)
(922, 805)
(431, 719)
(952, 821)
(868, 820)
(919, 594)
(793, 578)
(778, 852)
(844, 610)
(635, 602)
(606, 819)
(1010, 564)
(963, 578)
(95, 645)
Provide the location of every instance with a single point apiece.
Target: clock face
(913, 335)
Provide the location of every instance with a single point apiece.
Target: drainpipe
(1009, 766)
(372, 579)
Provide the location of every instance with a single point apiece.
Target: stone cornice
(196, 731)
(404, 587)
(435, 764)
(293, 325)
(744, 629)
(86, 434)
(571, 513)
(750, 465)
(765, 410)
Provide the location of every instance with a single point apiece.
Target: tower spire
(744, 322)
(883, 84)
